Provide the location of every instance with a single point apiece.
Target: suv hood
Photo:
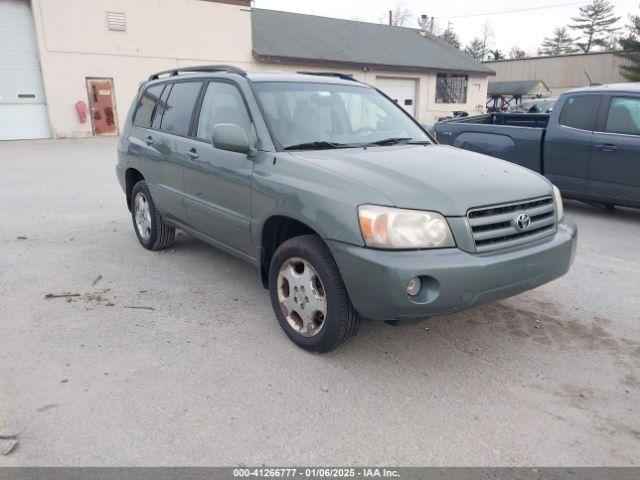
(433, 177)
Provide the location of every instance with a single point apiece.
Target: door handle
(192, 154)
(606, 147)
(148, 140)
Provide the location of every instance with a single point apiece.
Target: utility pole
(390, 17)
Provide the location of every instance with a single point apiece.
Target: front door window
(624, 116)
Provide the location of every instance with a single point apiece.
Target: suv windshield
(317, 115)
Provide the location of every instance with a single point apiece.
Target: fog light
(414, 286)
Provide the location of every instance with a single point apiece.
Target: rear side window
(147, 103)
(580, 111)
(162, 103)
(179, 107)
(624, 116)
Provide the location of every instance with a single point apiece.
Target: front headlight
(559, 205)
(395, 228)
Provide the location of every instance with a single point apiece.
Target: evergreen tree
(517, 53)
(496, 54)
(595, 24)
(631, 50)
(480, 47)
(476, 49)
(450, 38)
(558, 44)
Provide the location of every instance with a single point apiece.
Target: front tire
(308, 295)
(152, 232)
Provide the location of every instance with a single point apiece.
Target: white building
(58, 57)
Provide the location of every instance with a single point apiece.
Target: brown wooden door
(102, 106)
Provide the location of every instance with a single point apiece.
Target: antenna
(588, 78)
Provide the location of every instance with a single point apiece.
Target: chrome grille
(496, 227)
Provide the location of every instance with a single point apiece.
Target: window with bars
(451, 88)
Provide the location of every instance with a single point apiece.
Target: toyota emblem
(523, 222)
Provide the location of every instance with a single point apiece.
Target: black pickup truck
(589, 146)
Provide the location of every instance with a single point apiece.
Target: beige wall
(427, 110)
(79, 45)
(476, 99)
(76, 46)
(562, 73)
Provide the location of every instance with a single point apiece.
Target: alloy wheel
(302, 297)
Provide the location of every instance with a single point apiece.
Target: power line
(517, 10)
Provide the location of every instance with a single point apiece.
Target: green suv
(347, 207)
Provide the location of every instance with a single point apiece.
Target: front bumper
(453, 280)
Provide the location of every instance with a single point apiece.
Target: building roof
(296, 38)
(517, 88)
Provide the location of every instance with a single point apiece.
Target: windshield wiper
(315, 146)
(390, 141)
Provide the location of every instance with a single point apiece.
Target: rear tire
(152, 232)
(308, 295)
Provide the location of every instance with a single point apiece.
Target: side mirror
(230, 137)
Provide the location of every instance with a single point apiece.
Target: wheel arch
(276, 230)
(131, 177)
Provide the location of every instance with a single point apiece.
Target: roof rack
(202, 68)
(343, 76)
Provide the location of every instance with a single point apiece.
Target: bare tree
(399, 16)
(486, 36)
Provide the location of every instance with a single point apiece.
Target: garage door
(401, 90)
(23, 111)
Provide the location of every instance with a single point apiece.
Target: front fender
(325, 201)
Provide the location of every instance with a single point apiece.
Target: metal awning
(518, 88)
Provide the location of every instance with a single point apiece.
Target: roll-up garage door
(401, 90)
(23, 109)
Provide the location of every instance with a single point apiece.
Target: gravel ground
(175, 358)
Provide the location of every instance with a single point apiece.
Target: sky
(525, 29)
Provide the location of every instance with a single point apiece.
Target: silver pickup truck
(346, 206)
